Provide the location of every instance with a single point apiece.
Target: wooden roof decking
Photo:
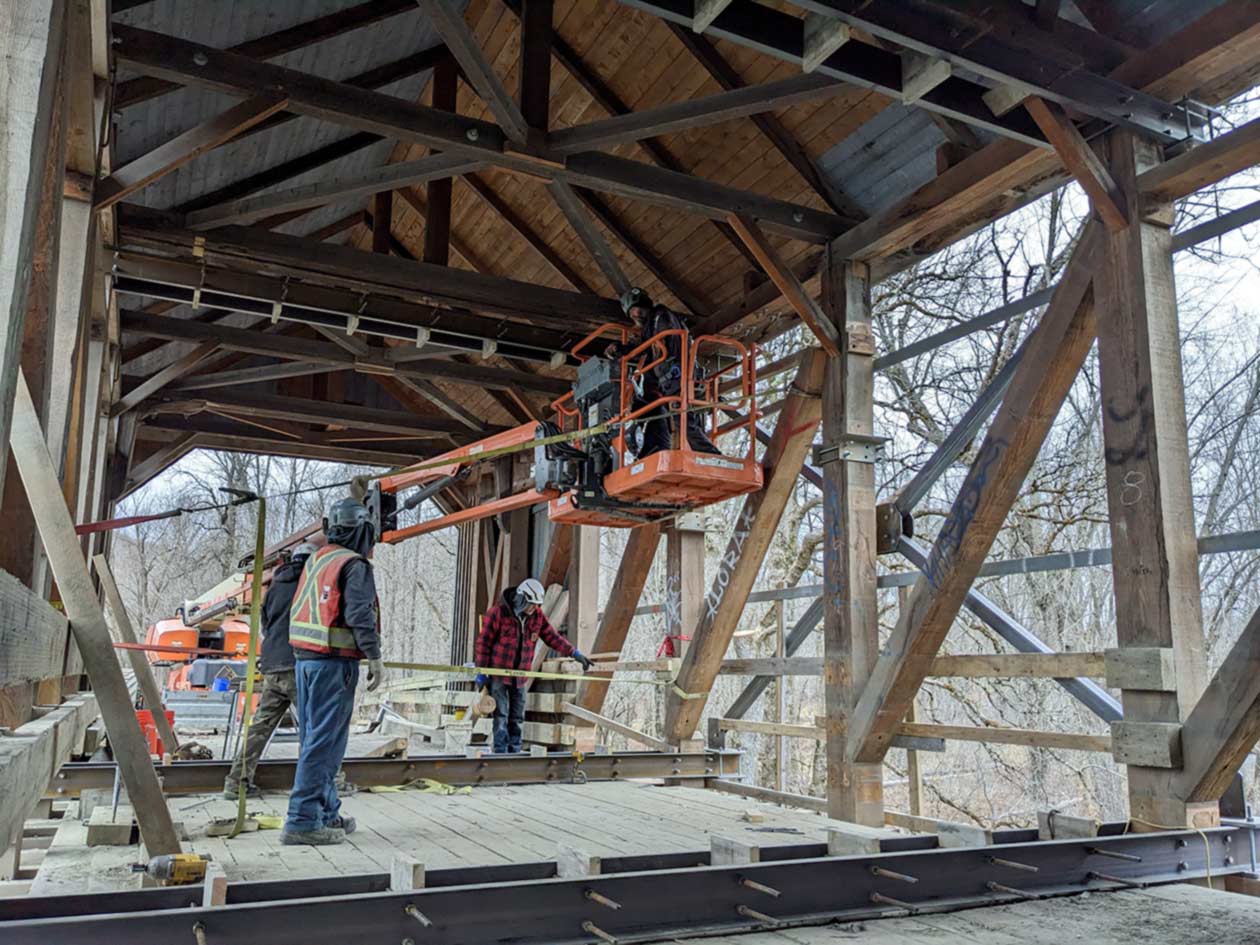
(848, 153)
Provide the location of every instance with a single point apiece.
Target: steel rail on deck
(672, 901)
(198, 777)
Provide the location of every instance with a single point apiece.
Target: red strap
(110, 524)
(171, 648)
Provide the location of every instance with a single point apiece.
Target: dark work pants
(509, 713)
(325, 693)
(279, 691)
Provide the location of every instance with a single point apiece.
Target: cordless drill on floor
(175, 869)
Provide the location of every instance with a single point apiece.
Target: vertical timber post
(1155, 557)
(855, 791)
(684, 580)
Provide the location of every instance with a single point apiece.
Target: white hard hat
(531, 591)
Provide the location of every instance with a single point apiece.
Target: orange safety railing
(643, 358)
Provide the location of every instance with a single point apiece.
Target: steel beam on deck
(651, 904)
(198, 777)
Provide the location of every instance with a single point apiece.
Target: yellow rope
(1207, 846)
(255, 612)
(526, 673)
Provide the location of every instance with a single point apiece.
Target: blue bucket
(221, 684)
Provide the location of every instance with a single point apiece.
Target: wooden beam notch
(823, 35)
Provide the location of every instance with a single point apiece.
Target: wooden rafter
(589, 234)
(166, 56)
(179, 368)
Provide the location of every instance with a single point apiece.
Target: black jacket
(276, 655)
(358, 611)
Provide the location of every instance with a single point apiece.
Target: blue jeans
(509, 713)
(325, 702)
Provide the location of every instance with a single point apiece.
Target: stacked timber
(545, 722)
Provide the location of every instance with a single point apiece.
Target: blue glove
(586, 663)
(482, 680)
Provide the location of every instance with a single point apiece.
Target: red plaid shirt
(507, 641)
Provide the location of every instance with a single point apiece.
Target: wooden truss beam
(1204, 165)
(694, 113)
(754, 530)
(1050, 364)
(163, 457)
(534, 72)
(87, 623)
(443, 93)
(636, 564)
(253, 375)
(183, 148)
(435, 284)
(1081, 161)
(301, 349)
(589, 234)
(722, 72)
(304, 410)
(215, 434)
(180, 60)
(310, 33)
(179, 368)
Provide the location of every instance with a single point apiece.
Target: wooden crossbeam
(300, 36)
(301, 349)
(738, 569)
(183, 148)
(1051, 362)
(612, 725)
(164, 456)
(694, 113)
(791, 288)
(1016, 665)
(534, 74)
(218, 435)
(1081, 161)
(179, 368)
(1204, 165)
(459, 39)
(253, 375)
(1007, 736)
(181, 60)
(614, 625)
(319, 193)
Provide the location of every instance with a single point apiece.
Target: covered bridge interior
(372, 233)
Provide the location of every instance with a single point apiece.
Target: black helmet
(346, 513)
(634, 298)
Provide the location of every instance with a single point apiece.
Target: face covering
(359, 538)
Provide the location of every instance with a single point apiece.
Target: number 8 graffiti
(1131, 487)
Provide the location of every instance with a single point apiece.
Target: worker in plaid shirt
(509, 633)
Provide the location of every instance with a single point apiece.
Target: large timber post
(1155, 557)
(684, 581)
(855, 790)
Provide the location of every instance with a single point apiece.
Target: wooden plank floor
(1164, 915)
(489, 825)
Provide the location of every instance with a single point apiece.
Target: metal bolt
(754, 914)
(409, 941)
(1229, 861)
(1226, 839)
(199, 933)
(1108, 878)
(1182, 866)
(1114, 854)
(593, 896)
(416, 914)
(881, 899)
(797, 216)
(200, 58)
(1010, 890)
(590, 928)
(1124, 99)
(472, 134)
(115, 40)
(1012, 865)
(1183, 842)
(1126, 115)
(890, 874)
(759, 887)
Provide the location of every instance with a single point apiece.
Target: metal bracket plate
(854, 448)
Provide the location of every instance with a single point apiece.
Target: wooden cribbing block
(214, 886)
(572, 863)
(107, 830)
(1150, 668)
(727, 851)
(1051, 825)
(845, 839)
(405, 873)
(1148, 744)
(537, 751)
(953, 834)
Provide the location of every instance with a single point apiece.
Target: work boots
(320, 837)
(231, 790)
(344, 823)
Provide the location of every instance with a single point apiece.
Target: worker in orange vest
(333, 624)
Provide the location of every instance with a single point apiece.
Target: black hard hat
(346, 513)
(634, 298)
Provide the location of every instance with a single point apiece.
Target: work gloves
(376, 671)
(586, 663)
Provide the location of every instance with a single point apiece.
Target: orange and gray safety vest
(317, 605)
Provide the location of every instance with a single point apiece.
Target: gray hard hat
(635, 297)
(304, 550)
